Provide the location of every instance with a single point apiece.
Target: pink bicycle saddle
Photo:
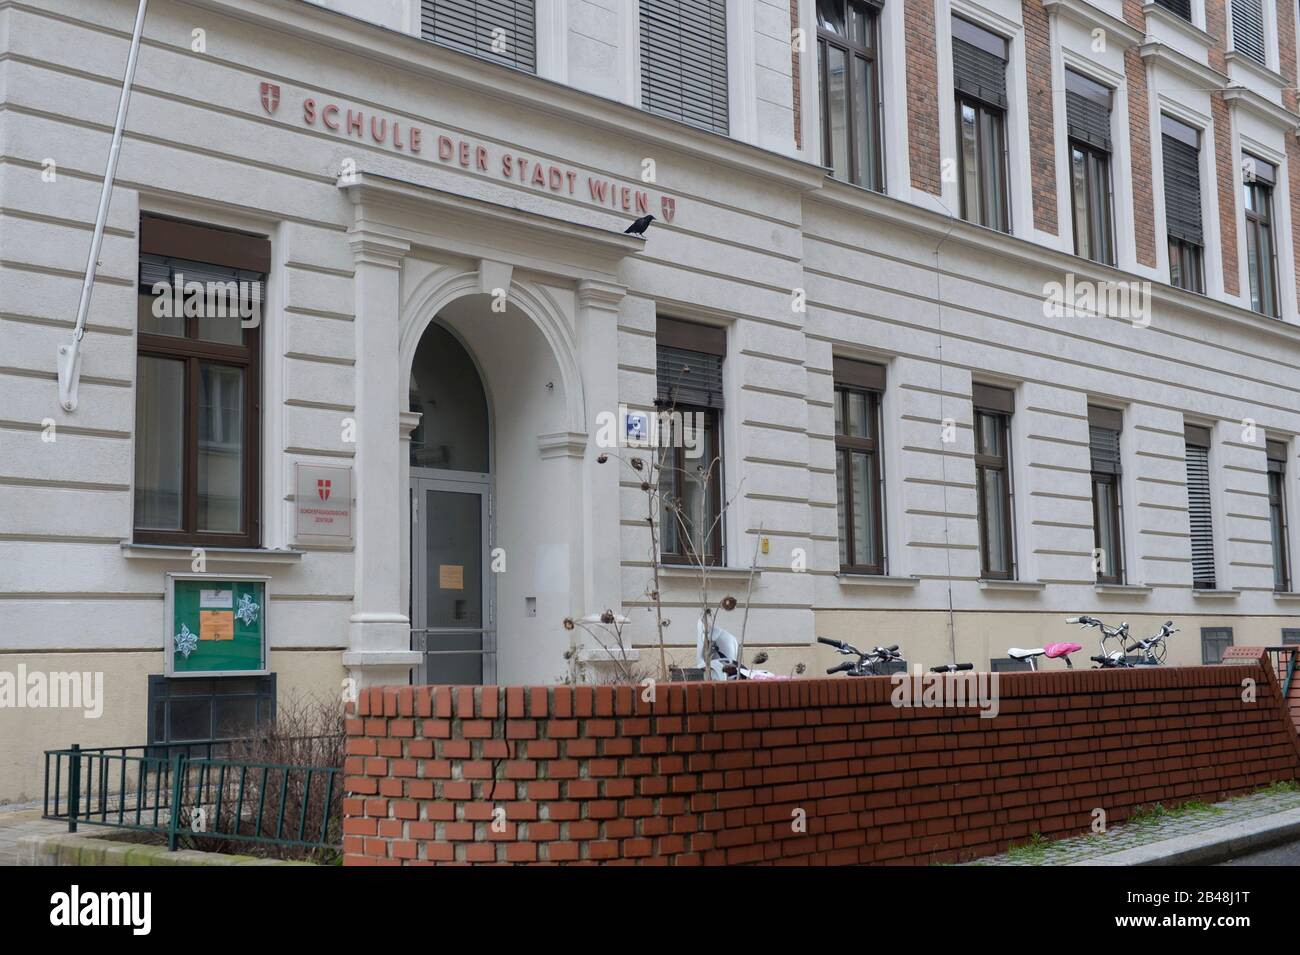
(1061, 649)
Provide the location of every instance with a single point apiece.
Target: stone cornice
(1093, 17)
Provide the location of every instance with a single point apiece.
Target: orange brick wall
(1139, 132)
(1042, 144)
(1217, 26)
(715, 773)
(1287, 67)
(922, 95)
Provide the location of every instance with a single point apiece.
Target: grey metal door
(451, 593)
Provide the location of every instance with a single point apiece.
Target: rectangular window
(1277, 516)
(1248, 29)
(197, 477)
(1181, 148)
(1290, 636)
(1087, 105)
(858, 387)
(189, 710)
(684, 61)
(980, 79)
(850, 91)
(1214, 640)
(504, 31)
(1199, 511)
(1105, 425)
(689, 402)
(1258, 177)
(993, 409)
(1182, 8)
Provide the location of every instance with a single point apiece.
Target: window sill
(213, 555)
(1286, 595)
(1174, 21)
(692, 572)
(602, 655)
(1215, 594)
(877, 581)
(1125, 590)
(1013, 586)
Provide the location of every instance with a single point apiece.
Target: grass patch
(1157, 812)
(1279, 787)
(1033, 850)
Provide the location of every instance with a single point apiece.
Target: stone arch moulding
(446, 285)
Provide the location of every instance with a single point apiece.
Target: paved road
(1286, 854)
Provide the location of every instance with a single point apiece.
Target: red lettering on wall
(416, 135)
(481, 157)
(507, 162)
(325, 116)
(309, 111)
(626, 195)
(446, 148)
(354, 123)
(381, 133)
(599, 188)
(642, 202)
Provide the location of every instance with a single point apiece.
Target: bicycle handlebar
(840, 669)
(831, 643)
(952, 667)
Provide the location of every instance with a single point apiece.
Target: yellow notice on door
(216, 625)
(451, 577)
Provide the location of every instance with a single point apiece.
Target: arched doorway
(452, 598)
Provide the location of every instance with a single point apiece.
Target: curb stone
(1202, 848)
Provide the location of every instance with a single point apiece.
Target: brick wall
(1042, 144)
(922, 95)
(796, 78)
(1224, 161)
(720, 773)
(1139, 133)
(1287, 67)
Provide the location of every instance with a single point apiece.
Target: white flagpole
(69, 360)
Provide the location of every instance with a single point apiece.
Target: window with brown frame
(689, 403)
(198, 392)
(849, 78)
(1105, 425)
(993, 410)
(860, 490)
(1277, 516)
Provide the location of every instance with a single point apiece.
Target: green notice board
(217, 625)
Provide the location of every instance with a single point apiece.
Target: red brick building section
(1287, 67)
(1042, 142)
(1224, 161)
(922, 95)
(796, 77)
(1139, 133)
(805, 772)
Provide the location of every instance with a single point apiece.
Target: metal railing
(1285, 661)
(194, 792)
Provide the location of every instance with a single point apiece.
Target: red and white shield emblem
(270, 97)
(323, 489)
(669, 206)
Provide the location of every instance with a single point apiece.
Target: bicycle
(870, 663)
(1107, 659)
(1052, 651)
(1153, 648)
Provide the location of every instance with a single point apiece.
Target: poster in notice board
(216, 625)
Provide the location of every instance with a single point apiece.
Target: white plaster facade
(370, 244)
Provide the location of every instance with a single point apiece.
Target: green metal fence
(194, 793)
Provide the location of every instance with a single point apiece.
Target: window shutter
(858, 374)
(990, 398)
(688, 377)
(977, 70)
(1182, 190)
(1248, 29)
(1181, 7)
(1104, 448)
(1088, 119)
(1276, 452)
(1198, 507)
(468, 25)
(684, 61)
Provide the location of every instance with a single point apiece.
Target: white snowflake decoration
(186, 641)
(247, 610)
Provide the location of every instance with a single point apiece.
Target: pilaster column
(379, 632)
(598, 308)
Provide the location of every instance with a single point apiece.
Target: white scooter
(724, 658)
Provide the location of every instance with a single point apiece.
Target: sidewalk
(1186, 835)
(18, 822)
